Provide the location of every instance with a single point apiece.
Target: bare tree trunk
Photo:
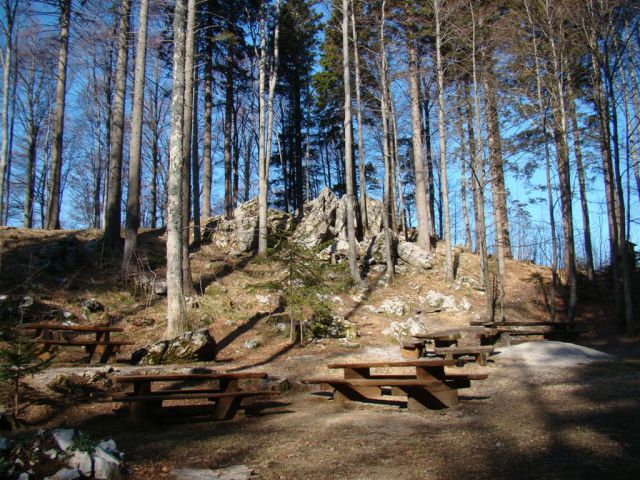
(112, 238)
(443, 145)
(588, 249)
(562, 158)
(262, 160)
(422, 207)
(10, 11)
(263, 182)
(361, 163)
(53, 204)
(195, 164)
(29, 188)
(206, 142)
(228, 114)
(477, 178)
(348, 147)
(468, 243)
(429, 157)
(176, 310)
(155, 147)
(386, 193)
(497, 189)
(132, 223)
(189, 64)
(397, 169)
(552, 221)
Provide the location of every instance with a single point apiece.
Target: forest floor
(581, 421)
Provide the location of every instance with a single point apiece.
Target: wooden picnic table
(425, 386)
(50, 335)
(225, 392)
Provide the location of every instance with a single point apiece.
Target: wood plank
(396, 363)
(185, 395)
(187, 376)
(83, 343)
(375, 382)
(78, 328)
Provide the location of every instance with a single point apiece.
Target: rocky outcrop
(318, 220)
(240, 234)
(195, 346)
(414, 255)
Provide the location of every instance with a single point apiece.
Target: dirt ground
(522, 422)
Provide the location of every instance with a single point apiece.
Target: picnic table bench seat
(479, 352)
(227, 394)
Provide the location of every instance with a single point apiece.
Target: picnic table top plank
(457, 333)
(185, 395)
(83, 342)
(187, 376)
(77, 328)
(396, 363)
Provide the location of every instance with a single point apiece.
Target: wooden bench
(50, 335)
(467, 340)
(226, 393)
(427, 387)
(480, 353)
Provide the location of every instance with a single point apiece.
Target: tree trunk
(263, 182)
(348, 147)
(135, 146)
(176, 310)
(498, 189)
(552, 221)
(422, 207)
(588, 249)
(477, 178)
(53, 204)
(112, 238)
(208, 112)
(468, 242)
(195, 164)
(361, 163)
(189, 67)
(228, 114)
(443, 146)
(386, 193)
(29, 188)
(498, 195)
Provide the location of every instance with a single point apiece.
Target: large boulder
(374, 218)
(414, 255)
(374, 249)
(194, 346)
(318, 220)
(240, 233)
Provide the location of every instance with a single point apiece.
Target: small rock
(109, 446)
(275, 384)
(414, 255)
(51, 453)
(263, 299)
(106, 465)
(345, 342)
(393, 306)
(197, 345)
(399, 330)
(160, 287)
(81, 461)
(67, 315)
(5, 444)
(92, 305)
(253, 343)
(23, 476)
(63, 437)
(440, 300)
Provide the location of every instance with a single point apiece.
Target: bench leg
(481, 359)
(431, 399)
(107, 352)
(227, 407)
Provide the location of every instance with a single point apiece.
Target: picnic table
(221, 388)
(537, 330)
(50, 335)
(453, 344)
(426, 384)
